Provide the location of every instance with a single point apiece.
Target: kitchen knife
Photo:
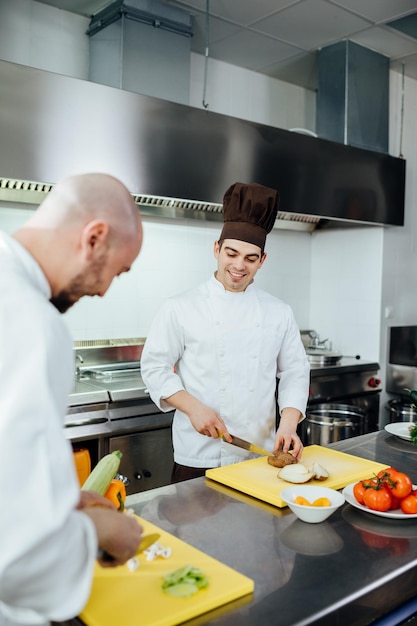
(146, 542)
(246, 445)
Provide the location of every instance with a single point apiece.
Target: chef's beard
(82, 285)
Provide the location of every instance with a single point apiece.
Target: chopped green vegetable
(184, 581)
(182, 590)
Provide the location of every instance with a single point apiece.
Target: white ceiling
(280, 38)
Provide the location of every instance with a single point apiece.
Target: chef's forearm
(290, 416)
(184, 402)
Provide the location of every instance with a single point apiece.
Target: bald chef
(215, 352)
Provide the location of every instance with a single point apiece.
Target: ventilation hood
(178, 160)
(24, 192)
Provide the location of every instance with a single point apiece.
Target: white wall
(41, 36)
(251, 96)
(346, 297)
(174, 258)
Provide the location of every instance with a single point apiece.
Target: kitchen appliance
(327, 423)
(344, 398)
(349, 393)
(110, 409)
(321, 183)
(401, 372)
(401, 410)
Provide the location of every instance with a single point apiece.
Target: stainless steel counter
(351, 569)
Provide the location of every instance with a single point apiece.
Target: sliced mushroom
(320, 473)
(297, 473)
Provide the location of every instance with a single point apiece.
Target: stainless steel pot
(401, 411)
(321, 356)
(318, 356)
(327, 423)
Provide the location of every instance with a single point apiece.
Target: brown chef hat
(249, 213)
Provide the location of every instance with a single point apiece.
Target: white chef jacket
(228, 350)
(47, 549)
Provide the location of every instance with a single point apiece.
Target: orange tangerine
(322, 502)
(302, 500)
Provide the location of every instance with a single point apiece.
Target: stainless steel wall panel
(52, 126)
(143, 59)
(353, 96)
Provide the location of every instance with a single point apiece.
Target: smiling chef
(215, 352)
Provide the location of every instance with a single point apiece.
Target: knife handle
(221, 435)
(146, 542)
(104, 556)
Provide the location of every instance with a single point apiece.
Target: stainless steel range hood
(24, 192)
(178, 160)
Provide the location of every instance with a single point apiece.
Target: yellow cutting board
(259, 479)
(120, 597)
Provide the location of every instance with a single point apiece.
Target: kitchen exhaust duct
(353, 96)
(142, 46)
(178, 160)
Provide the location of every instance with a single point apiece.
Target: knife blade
(146, 542)
(246, 445)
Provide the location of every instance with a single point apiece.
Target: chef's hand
(205, 420)
(91, 498)
(119, 535)
(286, 437)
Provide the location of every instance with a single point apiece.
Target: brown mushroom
(281, 459)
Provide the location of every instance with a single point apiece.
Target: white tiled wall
(346, 284)
(32, 33)
(251, 96)
(176, 257)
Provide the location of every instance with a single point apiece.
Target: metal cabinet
(147, 459)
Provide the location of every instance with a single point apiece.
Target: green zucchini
(103, 473)
(184, 581)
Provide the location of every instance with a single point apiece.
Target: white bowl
(312, 514)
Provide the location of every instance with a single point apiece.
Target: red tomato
(395, 504)
(377, 498)
(387, 473)
(409, 504)
(359, 491)
(402, 485)
(397, 482)
(370, 482)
